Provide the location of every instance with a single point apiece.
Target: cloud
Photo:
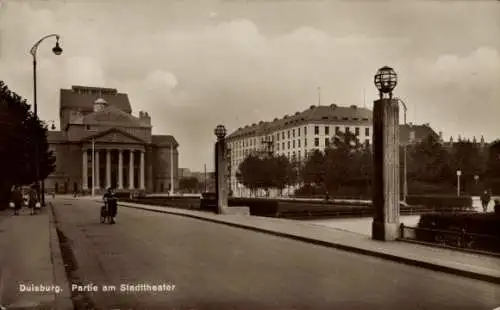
(191, 72)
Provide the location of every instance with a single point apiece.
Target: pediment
(117, 136)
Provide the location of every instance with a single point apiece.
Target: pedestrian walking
(112, 204)
(18, 199)
(33, 203)
(485, 200)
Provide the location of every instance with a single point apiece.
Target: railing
(459, 239)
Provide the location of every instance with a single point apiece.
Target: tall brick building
(127, 156)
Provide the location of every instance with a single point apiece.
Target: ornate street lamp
(385, 195)
(221, 191)
(385, 80)
(220, 131)
(58, 51)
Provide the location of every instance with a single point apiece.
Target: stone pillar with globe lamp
(221, 191)
(386, 183)
(459, 173)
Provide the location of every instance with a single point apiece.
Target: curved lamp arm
(404, 107)
(35, 46)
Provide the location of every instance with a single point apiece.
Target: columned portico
(131, 170)
(84, 170)
(120, 169)
(108, 168)
(97, 176)
(114, 168)
(142, 172)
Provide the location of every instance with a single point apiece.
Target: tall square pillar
(386, 185)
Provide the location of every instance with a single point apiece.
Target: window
(327, 142)
(293, 133)
(305, 142)
(278, 147)
(316, 141)
(367, 131)
(305, 130)
(288, 144)
(316, 130)
(283, 135)
(282, 145)
(288, 134)
(356, 131)
(367, 142)
(337, 129)
(347, 129)
(294, 156)
(288, 154)
(298, 153)
(293, 143)
(278, 136)
(298, 132)
(327, 130)
(298, 142)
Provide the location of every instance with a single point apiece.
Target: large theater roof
(83, 98)
(111, 115)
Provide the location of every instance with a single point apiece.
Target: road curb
(63, 299)
(348, 248)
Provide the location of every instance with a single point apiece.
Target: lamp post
(405, 169)
(58, 51)
(459, 173)
(220, 168)
(386, 172)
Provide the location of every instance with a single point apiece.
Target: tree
(21, 133)
(313, 171)
(429, 162)
(249, 172)
(189, 184)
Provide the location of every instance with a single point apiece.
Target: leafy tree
(314, 170)
(492, 170)
(428, 161)
(21, 133)
(248, 172)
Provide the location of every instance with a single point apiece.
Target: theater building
(128, 156)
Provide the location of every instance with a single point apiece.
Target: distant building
(184, 173)
(411, 133)
(295, 136)
(128, 156)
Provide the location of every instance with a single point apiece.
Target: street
(211, 266)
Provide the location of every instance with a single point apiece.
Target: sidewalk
(30, 255)
(470, 265)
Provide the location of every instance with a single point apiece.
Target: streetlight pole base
(383, 231)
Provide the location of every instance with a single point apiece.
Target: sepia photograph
(249, 154)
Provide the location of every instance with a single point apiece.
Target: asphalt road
(219, 267)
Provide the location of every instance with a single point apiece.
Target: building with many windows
(128, 156)
(295, 136)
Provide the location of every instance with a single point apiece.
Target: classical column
(131, 170)
(108, 168)
(85, 185)
(120, 169)
(386, 169)
(142, 168)
(97, 176)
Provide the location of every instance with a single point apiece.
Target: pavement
(470, 265)
(214, 266)
(30, 258)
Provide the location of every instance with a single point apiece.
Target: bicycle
(105, 214)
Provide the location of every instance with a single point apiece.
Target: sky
(193, 64)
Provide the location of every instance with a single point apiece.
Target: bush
(440, 201)
(486, 224)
